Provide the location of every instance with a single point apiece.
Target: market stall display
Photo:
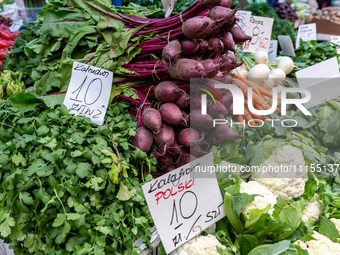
(69, 186)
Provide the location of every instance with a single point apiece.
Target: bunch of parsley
(67, 185)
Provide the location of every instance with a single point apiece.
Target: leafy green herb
(69, 186)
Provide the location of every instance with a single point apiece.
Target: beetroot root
(143, 139)
(152, 119)
(184, 69)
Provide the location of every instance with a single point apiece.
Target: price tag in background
(89, 91)
(272, 52)
(286, 45)
(169, 6)
(244, 17)
(306, 32)
(182, 203)
(260, 29)
(336, 40)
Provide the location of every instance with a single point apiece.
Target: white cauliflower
(336, 223)
(322, 245)
(284, 172)
(313, 209)
(200, 245)
(259, 202)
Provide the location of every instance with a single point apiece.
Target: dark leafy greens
(67, 185)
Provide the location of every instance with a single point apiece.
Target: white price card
(260, 29)
(272, 52)
(184, 202)
(336, 40)
(243, 19)
(89, 91)
(286, 45)
(169, 6)
(306, 32)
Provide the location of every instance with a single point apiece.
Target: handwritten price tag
(89, 91)
(243, 19)
(260, 29)
(182, 203)
(306, 32)
(336, 40)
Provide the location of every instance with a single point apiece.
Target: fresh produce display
(329, 13)
(69, 180)
(286, 11)
(68, 186)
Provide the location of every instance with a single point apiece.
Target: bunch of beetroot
(173, 127)
(208, 49)
(176, 131)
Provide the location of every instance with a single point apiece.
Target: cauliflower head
(322, 245)
(313, 209)
(200, 245)
(260, 202)
(336, 223)
(284, 172)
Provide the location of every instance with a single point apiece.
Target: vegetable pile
(207, 51)
(6, 41)
(286, 11)
(69, 186)
(330, 13)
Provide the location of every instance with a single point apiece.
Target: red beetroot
(200, 121)
(239, 35)
(143, 139)
(211, 67)
(225, 133)
(188, 137)
(189, 46)
(170, 168)
(216, 45)
(166, 136)
(215, 31)
(176, 149)
(224, 3)
(228, 42)
(227, 100)
(183, 100)
(167, 91)
(198, 27)
(218, 108)
(164, 161)
(184, 69)
(171, 114)
(185, 159)
(203, 47)
(172, 51)
(152, 119)
(219, 13)
(218, 75)
(209, 2)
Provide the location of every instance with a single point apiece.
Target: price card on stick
(89, 91)
(272, 52)
(184, 202)
(243, 19)
(169, 6)
(286, 45)
(260, 29)
(336, 40)
(306, 32)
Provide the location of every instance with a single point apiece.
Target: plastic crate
(32, 13)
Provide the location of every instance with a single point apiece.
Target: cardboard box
(326, 27)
